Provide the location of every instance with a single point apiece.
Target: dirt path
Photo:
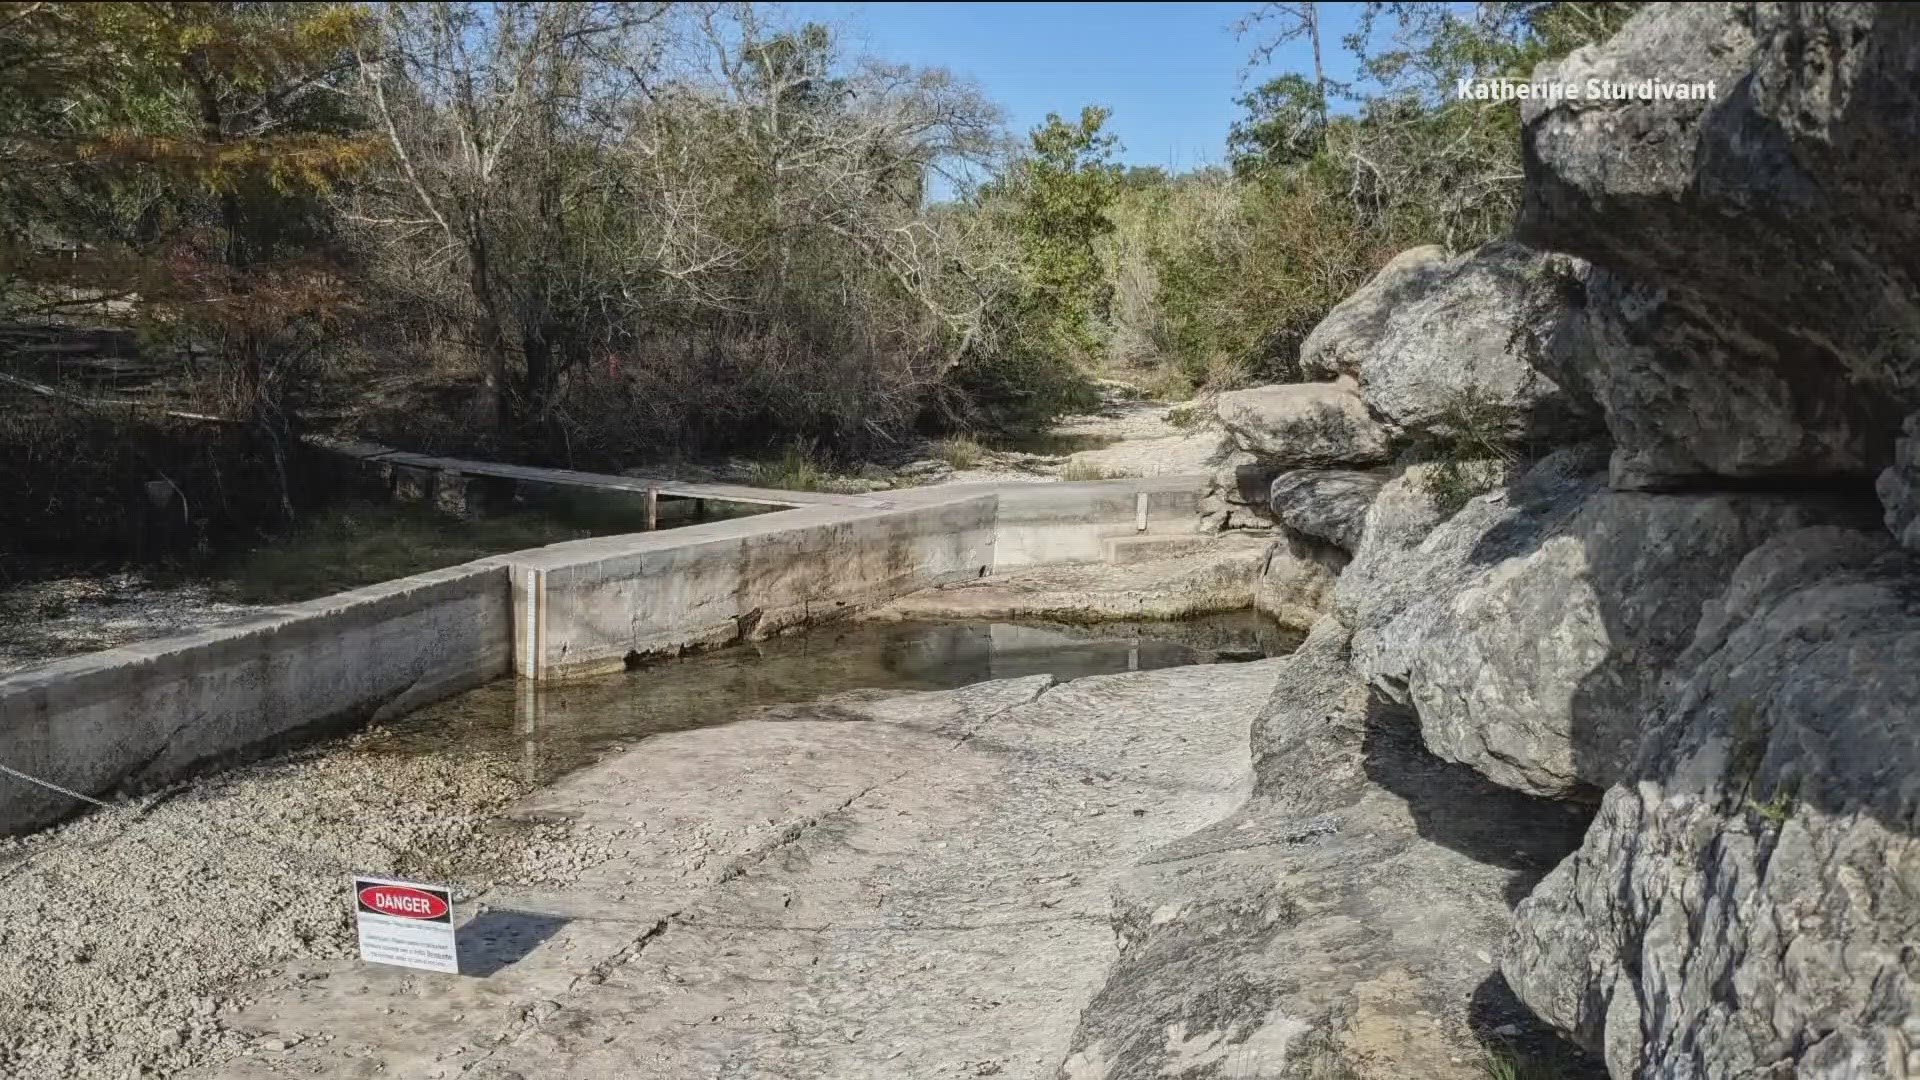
(1126, 438)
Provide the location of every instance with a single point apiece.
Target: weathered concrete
(1219, 577)
(1062, 523)
(151, 712)
(601, 601)
(144, 714)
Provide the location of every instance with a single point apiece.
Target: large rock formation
(1428, 337)
(1745, 905)
(1345, 922)
(1773, 327)
(1411, 561)
(1303, 425)
(1529, 629)
(1327, 504)
(1702, 622)
(1539, 671)
(1296, 584)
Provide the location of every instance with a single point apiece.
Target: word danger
(405, 923)
(404, 901)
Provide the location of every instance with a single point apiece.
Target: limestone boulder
(1412, 559)
(1538, 671)
(1345, 922)
(1296, 584)
(1303, 426)
(1760, 313)
(1327, 504)
(1429, 338)
(1530, 629)
(1343, 341)
(1690, 395)
(1235, 496)
(1899, 487)
(1743, 905)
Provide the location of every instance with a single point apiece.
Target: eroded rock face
(1411, 562)
(1538, 672)
(1774, 329)
(1530, 628)
(1342, 341)
(1296, 585)
(1303, 425)
(1327, 504)
(1690, 397)
(1899, 487)
(1744, 904)
(1345, 922)
(1429, 336)
(1236, 493)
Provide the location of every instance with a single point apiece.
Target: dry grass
(1075, 471)
(798, 468)
(960, 451)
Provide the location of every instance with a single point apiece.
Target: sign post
(405, 923)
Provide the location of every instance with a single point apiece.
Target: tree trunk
(493, 335)
(1311, 14)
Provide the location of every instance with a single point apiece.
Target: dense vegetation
(1223, 272)
(598, 233)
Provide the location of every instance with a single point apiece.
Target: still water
(570, 724)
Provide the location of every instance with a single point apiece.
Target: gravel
(127, 934)
(45, 620)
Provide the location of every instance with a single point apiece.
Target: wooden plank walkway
(678, 489)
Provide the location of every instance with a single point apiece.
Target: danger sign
(405, 923)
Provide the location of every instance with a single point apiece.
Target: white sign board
(405, 923)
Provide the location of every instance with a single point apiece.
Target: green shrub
(1471, 448)
(1779, 806)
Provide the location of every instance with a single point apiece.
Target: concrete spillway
(141, 715)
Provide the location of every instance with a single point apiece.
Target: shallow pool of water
(565, 725)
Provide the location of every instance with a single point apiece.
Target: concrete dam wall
(136, 717)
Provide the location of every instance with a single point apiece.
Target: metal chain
(311, 857)
(51, 786)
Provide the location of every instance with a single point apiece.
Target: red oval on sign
(402, 902)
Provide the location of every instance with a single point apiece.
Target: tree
(1290, 22)
(1064, 190)
(488, 110)
(223, 122)
(1285, 125)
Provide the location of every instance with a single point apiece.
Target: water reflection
(562, 726)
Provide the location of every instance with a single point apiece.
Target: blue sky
(1170, 72)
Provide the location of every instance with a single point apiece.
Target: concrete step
(1146, 547)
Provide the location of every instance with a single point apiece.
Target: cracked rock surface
(874, 885)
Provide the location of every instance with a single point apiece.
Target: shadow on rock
(1457, 808)
(1511, 1033)
(501, 937)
